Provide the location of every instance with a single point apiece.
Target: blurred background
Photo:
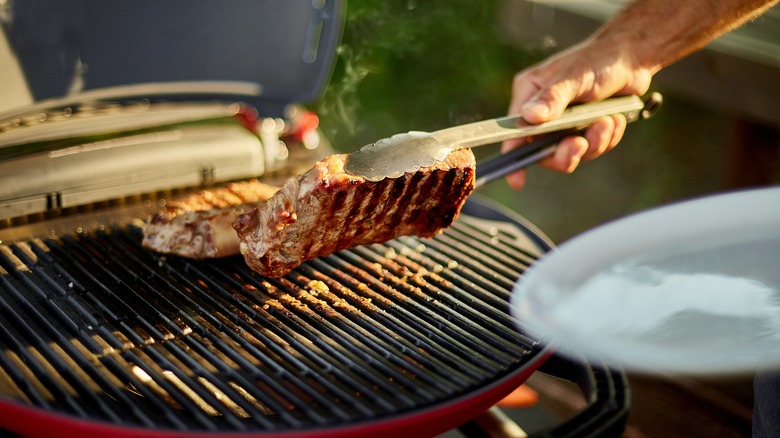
(424, 65)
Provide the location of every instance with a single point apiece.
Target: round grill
(99, 331)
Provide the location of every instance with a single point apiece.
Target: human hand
(593, 70)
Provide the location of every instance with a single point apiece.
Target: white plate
(693, 287)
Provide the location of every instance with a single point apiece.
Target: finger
(539, 99)
(567, 154)
(547, 104)
(516, 179)
(524, 87)
(599, 136)
(620, 129)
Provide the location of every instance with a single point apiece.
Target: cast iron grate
(95, 327)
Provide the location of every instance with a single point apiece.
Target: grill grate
(95, 327)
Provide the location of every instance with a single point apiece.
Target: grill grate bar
(370, 335)
(461, 306)
(482, 274)
(152, 402)
(119, 408)
(286, 357)
(503, 247)
(39, 357)
(496, 235)
(149, 373)
(140, 339)
(189, 305)
(451, 248)
(458, 278)
(294, 330)
(12, 348)
(181, 380)
(447, 307)
(356, 364)
(385, 333)
(148, 332)
(373, 368)
(392, 294)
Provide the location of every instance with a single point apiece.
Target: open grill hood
(107, 100)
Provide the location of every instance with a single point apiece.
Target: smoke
(342, 105)
(406, 65)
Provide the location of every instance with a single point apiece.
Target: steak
(327, 209)
(199, 226)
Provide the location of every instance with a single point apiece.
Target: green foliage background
(417, 65)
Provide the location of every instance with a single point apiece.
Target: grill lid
(103, 100)
(102, 332)
(268, 54)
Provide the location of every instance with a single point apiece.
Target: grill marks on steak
(326, 210)
(200, 225)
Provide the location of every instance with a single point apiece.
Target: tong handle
(501, 164)
(578, 116)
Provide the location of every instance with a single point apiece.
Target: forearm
(620, 58)
(664, 31)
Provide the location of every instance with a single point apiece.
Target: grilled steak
(200, 226)
(326, 210)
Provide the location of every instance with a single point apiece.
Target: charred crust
(339, 211)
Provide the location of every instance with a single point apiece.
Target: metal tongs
(408, 152)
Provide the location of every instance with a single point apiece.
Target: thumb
(545, 105)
